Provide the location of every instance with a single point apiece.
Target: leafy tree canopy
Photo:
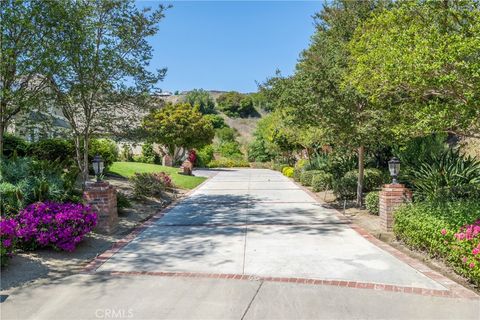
(201, 98)
(235, 104)
(178, 126)
(423, 59)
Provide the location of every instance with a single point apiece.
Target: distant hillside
(179, 97)
(244, 126)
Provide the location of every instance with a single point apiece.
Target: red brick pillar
(392, 196)
(103, 198)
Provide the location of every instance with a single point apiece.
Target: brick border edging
(99, 260)
(307, 281)
(454, 290)
(453, 287)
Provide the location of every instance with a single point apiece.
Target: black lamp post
(394, 168)
(98, 167)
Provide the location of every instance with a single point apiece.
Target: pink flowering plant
(450, 231)
(8, 238)
(58, 225)
(464, 248)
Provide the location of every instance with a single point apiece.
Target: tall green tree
(178, 128)
(26, 49)
(201, 98)
(317, 96)
(422, 58)
(235, 104)
(103, 54)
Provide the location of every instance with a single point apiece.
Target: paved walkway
(260, 228)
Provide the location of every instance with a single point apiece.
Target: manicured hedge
(307, 176)
(346, 187)
(53, 149)
(450, 231)
(372, 202)
(322, 181)
(228, 163)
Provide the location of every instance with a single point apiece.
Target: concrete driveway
(249, 244)
(258, 222)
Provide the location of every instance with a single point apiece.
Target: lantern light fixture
(98, 167)
(394, 168)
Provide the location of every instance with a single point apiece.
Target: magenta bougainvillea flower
(8, 236)
(58, 225)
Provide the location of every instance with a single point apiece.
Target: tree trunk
(361, 165)
(2, 132)
(85, 159)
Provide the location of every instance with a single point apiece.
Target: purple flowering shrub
(8, 237)
(58, 225)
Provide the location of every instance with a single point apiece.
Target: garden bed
(48, 264)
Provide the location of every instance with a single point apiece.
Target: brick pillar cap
(98, 185)
(394, 185)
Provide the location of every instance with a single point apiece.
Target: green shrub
(279, 166)
(307, 176)
(300, 164)
(322, 181)
(447, 176)
(202, 99)
(297, 174)
(137, 158)
(339, 165)
(230, 149)
(226, 134)
(216, 120)
(431, 227)
(258, 151)
(106, 148)
(419, 150)
(372, 202)
(373, 179)
(150, 184)
(228, 163)
(126, 153)
(318, 162)
(346, 187)
(204, 156)
(235, 104)
(148, 154)
(288, 171)
(122, 202)
(26, 180)
(53, 149)
(14, 145)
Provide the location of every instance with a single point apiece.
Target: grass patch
(127, 169)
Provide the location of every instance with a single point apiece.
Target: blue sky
(228, 45)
